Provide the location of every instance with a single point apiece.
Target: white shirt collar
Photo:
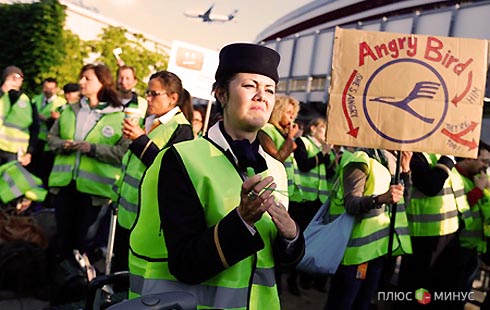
(109, 109)
(215, 135)
(53, 98)
(165, 118)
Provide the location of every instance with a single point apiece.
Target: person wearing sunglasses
(220, 201)
(166, 124)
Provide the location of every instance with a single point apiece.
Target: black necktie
(248, 155)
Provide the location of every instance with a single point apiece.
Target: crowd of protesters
(221, 213)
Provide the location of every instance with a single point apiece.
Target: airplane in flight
(208, 17)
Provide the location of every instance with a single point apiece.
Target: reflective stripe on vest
(4, 107)
(313, 184)
(133, 171)
(472, 236)
(14, 132)
(370, 234)
(91, 175)
(290, 164)
(16, 181)
(209, 296)
(438, 215)
(147, 244)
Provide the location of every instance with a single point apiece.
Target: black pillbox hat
(71, 87)
(247, 58)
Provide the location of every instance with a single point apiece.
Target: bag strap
(323, 211)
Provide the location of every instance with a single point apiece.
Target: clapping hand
(257, 198)
(254, 199)
(283, 221)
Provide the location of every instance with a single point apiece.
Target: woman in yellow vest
(89, 146)
(314, 159)
(220, 201)
(165, 125)
(277, 137)
(366, 193)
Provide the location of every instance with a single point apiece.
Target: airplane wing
(205, 16)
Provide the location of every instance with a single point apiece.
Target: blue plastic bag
(326, 241)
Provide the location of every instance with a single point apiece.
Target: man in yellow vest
(473, 238)
(47, 104)
(126, 82)
(19, 122)
(437, 204)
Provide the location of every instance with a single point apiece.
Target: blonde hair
(280, 107)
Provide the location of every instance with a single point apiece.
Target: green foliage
(33, 39)
(75, 51)
(134, 53)
(33, 36)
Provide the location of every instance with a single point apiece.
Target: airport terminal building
(305, 37)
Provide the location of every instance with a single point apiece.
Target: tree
(33, 38)
(76, 51)
(134, 54)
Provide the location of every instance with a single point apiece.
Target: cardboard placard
(407, 92)
(195, 66)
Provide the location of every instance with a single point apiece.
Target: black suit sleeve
(182, 133)
(426, 178)
(192, 254)
(306, 163)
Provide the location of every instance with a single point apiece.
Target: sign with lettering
(195, 66)
(407, 92)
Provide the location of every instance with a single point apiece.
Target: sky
(165, 19)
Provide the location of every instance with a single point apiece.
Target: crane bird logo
(421, 90)
(403, 107)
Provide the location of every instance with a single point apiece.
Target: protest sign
(407, 92)
(195, 66)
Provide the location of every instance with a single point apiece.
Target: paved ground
(309, 300)
(313, 300)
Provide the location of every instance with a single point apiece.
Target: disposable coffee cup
(132, 114)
